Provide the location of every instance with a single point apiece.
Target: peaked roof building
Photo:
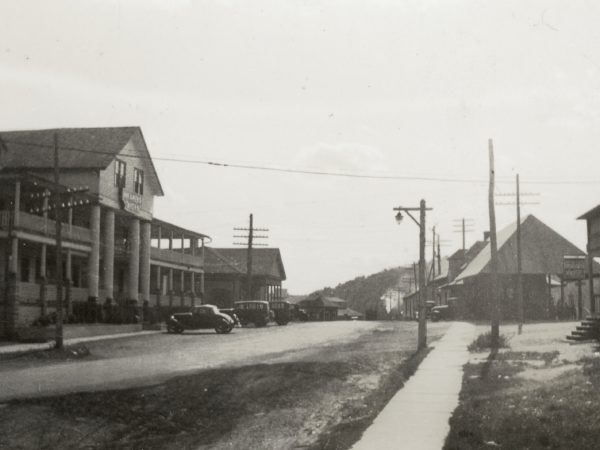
(542, 250)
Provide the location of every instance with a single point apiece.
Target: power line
(307, 171)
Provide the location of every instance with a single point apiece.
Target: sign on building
(574, 267)
(131, 201)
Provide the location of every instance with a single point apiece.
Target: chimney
(486, 235)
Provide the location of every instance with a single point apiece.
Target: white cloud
(342, 157)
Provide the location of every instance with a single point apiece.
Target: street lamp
(422, 337)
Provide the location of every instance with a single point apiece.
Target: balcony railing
(45, 226)
(175, 257)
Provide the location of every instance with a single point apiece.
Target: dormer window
(120, 173)
(138, 181)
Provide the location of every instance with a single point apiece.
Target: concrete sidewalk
(19, 348)
(416, 418)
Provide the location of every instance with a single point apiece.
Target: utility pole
(249, 259)
(59, 273)
(517, 202)
(519, 261)
(433, 253)
(422, 339)
(439, 255)
(422, 333)
(250, 244)
(463, 226)
(495, 319)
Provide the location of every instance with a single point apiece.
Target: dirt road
(144, 360)
(311, 385)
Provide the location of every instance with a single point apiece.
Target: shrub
(484, 342)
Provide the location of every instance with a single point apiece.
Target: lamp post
(422, 337)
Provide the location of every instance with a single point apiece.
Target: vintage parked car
(253, 311)
(282, 311)
(201, 317)
(231, 313)
(442, 312)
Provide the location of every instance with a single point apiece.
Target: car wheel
(223, 328)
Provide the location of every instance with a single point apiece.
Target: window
(138, 181)
(120, 172)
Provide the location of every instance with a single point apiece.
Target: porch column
(43, 256)
(159, 288)
(193, 244)
(109, 254)
(14, 254)
(94, 258)
(69, 262)
(145, 262)
(43, 298)
(170, 287)
(133, 239)
(182, 286)
(158, 285)
(202, 287)
(193, 288)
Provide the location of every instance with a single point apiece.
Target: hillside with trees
(364, 292)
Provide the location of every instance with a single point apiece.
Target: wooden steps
(588, 330)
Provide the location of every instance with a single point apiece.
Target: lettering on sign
(574, 267)
(131, 202)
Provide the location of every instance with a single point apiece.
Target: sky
(410, 89)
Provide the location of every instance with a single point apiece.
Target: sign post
(574, 268)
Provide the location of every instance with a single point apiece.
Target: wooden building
(543, 252)
(116, 255)
(592, 218)
(322, 308)
(226, 272)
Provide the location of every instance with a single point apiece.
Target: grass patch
(484, 342)
(502, 409)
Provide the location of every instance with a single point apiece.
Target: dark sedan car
(203, 317)
(443, 312)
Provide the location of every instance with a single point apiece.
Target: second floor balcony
(44, 226)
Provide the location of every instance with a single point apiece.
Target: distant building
(225, 275)
(322, 308)
(116, 255)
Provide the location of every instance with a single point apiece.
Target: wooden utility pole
(495, 319)
(250, 245)
(519, 261)
(460, 226)
(59, 273)
(249, 259)
(422, 339)
(433, 253)
(439, 256)
(590, 269)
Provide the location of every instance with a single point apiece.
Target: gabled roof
(329, 302)
(594, 212)
(444, 266)
(79, 148)
(542, 251)
(265, 261)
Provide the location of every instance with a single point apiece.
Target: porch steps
(588, 330)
